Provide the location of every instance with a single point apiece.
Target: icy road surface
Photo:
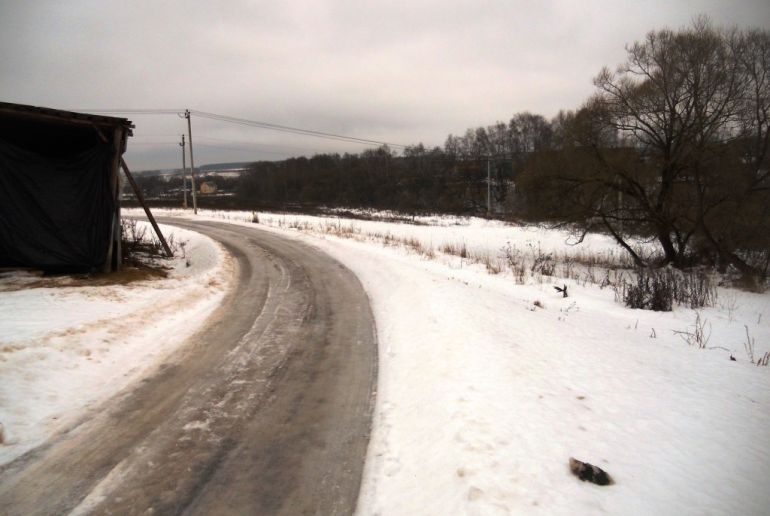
(267, 410)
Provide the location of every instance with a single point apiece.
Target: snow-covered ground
(66, 346)
(484, 239)
(483, 396)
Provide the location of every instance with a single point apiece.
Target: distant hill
(224, 166)
(204, 169)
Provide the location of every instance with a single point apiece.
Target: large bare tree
(675, 145)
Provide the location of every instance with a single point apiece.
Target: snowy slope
(66, 346)
(482, 400)
(483, 396)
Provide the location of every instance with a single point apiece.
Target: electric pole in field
(192, 163)
(184, 175)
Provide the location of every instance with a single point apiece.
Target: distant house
(208, 187)
(59, 188)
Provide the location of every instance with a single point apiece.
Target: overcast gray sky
(397, 71)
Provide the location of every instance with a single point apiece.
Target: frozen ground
(66, 346)
(483, 396)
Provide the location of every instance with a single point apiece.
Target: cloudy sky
(395, 71)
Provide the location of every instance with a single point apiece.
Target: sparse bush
(516, 262)
(460, 250)
(658, 290)
(697, 335)
(730, 304)
(493, 265)
(138, 245)
(543, 264)
(749, 345)
(651, 291)
(132, 236)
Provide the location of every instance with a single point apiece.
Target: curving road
(267, 410)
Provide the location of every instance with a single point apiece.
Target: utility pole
(192, 163)
(184, 175)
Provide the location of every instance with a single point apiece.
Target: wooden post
(107, 265)
(117, 144)
(120, 141)
(117, 256)
(147, 212)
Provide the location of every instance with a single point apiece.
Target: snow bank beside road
(66, 345)
(483, 397)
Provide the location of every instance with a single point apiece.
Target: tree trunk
(619, 239)
(670, 254)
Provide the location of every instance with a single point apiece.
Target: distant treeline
(424, 181)
(452, 179)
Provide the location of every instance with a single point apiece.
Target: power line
(129, 111)
(262, 144)
(241, 149)
(241, 146)
(294, 130)
(248, 123)
(153, 143)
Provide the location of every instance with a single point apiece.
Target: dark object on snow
(59, 185)
(732, 359)
(563, 290)
(585, 471)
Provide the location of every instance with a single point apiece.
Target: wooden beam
(48, 115)
(113, 251)
(141, 200)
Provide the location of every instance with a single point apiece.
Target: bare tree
(673, 145)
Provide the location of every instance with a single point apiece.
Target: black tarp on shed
(58, 187)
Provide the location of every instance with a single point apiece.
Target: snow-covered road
(265, 410)
(68, 344)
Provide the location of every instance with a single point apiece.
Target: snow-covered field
(483, 396)
(484, 240)
(66, 346)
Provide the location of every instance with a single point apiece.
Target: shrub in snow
(749, 347)
(650, 292)
(658, 290)
(697, 335)
(543, 264)
(140, 245)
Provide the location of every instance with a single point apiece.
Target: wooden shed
(59, 187)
